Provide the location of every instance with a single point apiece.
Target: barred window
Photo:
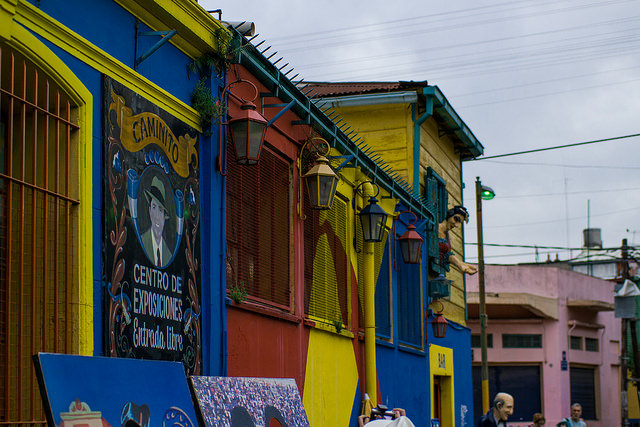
(521, 341)
(575, 342)
(258, 229)
(38, 230)
(591, 344)
(475, 341)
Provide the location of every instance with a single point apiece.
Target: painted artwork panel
(113, 392)
(249, 402)
(151, 242)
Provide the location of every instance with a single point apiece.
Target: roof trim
(442, 107)
(372, 99)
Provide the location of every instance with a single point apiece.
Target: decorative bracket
(166, 36)
(285, 108)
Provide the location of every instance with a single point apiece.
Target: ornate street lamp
(321, 180)
(372, 217)
(410, 242)
(247, 133)
(439, 325)
(246, 129)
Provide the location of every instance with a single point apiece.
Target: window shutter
(258, 229)
(325, 262)
(438, 197)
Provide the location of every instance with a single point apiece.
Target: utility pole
(624, 397)
(484, 369)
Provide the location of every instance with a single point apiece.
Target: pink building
(552, 340)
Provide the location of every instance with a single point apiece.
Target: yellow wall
(389, 130)
(331, 379)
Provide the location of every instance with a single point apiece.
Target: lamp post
(482, 193)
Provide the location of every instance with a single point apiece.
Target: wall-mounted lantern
(321, 180)
(410, 242)
(372, 217)
(247, 133)
(248, 128)
(439, 323)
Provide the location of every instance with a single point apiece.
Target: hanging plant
(207, 105)
(202, 100)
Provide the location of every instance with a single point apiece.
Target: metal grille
(325, 263)
(38, 231)
(521, 341)
(258, 229)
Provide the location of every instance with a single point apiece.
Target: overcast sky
(522, 75)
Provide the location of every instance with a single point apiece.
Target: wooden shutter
(258, 229)
(437, 197)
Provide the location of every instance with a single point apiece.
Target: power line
(565, 219)
(608, 190)
(564, 248)
(564, 165)
(615, 138)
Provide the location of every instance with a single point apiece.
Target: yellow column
(369, 315)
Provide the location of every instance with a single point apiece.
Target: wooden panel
(260, 346)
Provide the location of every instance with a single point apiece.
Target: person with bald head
(499, 413)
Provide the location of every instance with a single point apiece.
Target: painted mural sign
(151, 231)
(108, 392)
(249, 402)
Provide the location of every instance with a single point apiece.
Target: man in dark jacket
(499, 413)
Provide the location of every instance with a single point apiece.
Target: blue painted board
(105, 391)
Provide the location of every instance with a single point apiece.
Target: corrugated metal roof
(359, 88)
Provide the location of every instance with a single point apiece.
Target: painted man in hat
(152, 239)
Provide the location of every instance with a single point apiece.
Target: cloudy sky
(523, 75)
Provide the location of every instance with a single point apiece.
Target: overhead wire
(619, 211)
(609, 190)
(556, 147)
(350, 39)
(564, 165)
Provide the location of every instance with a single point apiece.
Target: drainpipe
(371, 385)
(417, 124)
